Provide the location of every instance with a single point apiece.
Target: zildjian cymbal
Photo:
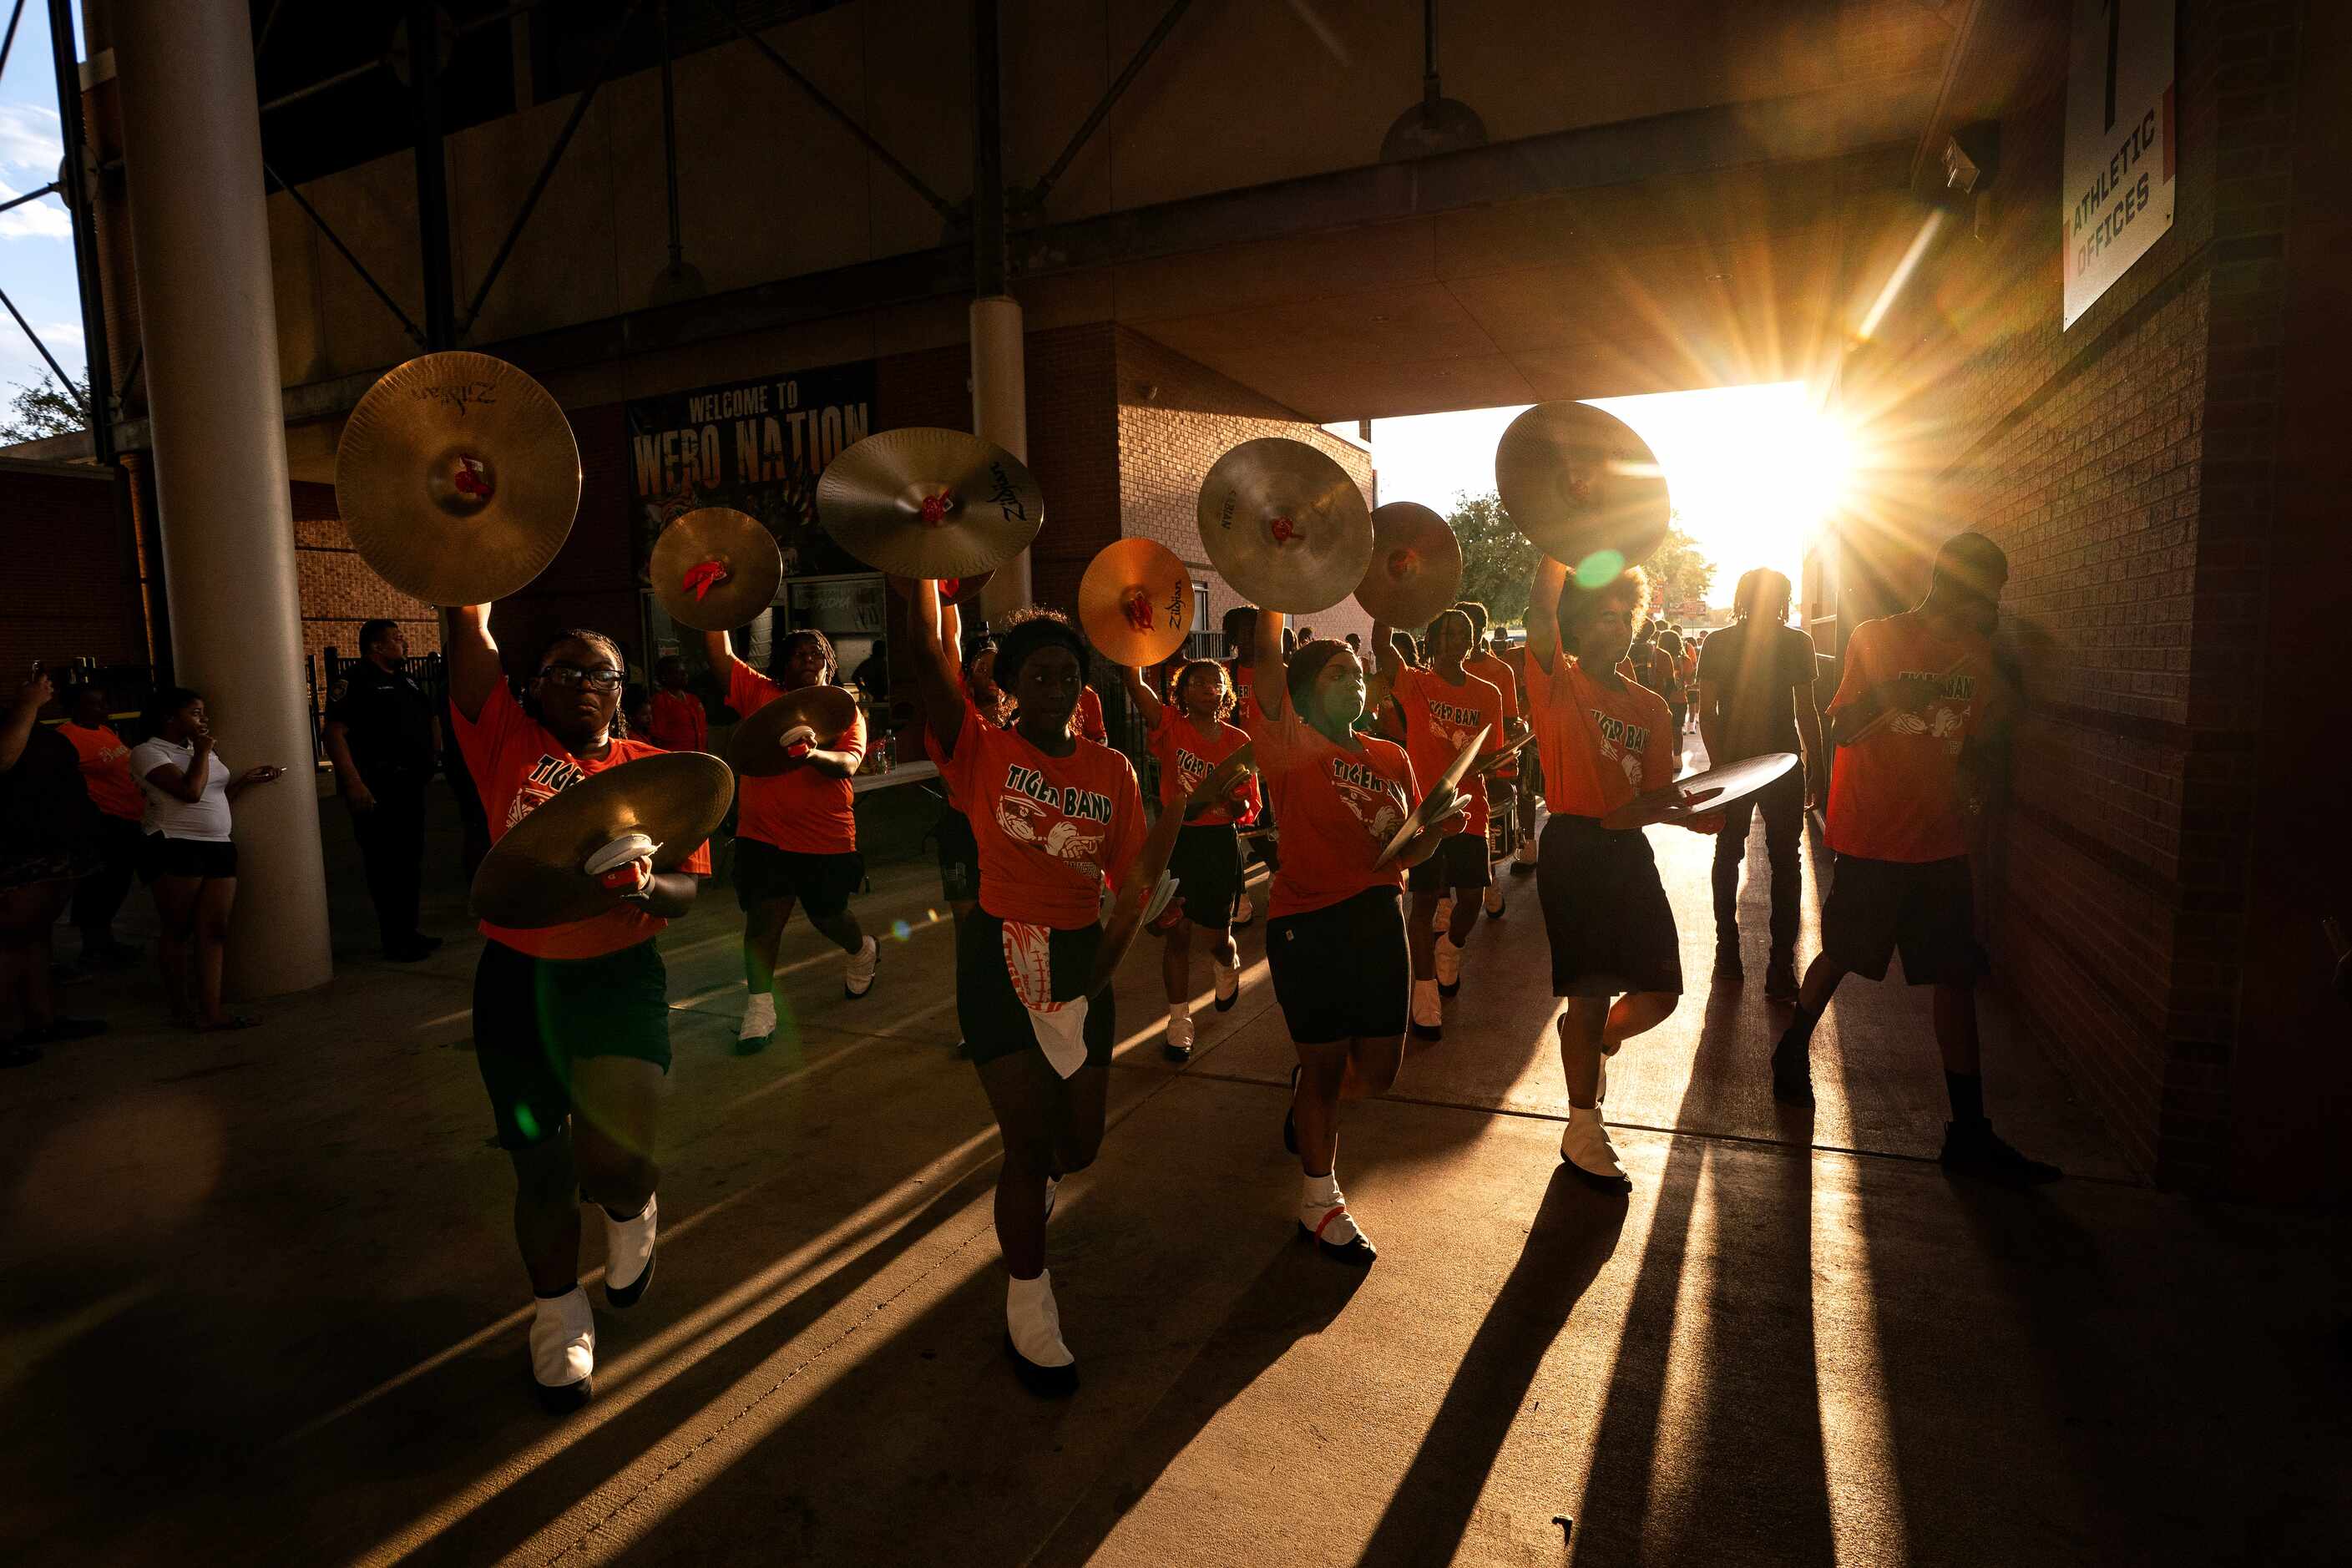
(1135, 602)
(1429, 809)
(457, 478)
(1285, 525)
(927, 502)
(536, 874)
(1584, 487)
(1416, 568)
(758, 750)
(715, 569)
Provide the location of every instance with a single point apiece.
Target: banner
(756, 445)
(2117, 192)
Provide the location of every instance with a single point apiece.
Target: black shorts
(533, 1017)
(1341, 972)
(959, 857)
(1928, 910)
(165, 856)
(821, 883)
(994, 1020)
(1605, 911)
(1207, 865)
(1460, 862)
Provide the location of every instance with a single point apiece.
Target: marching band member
(570, 1022)
(1920, 701)
(795, 833)
(1443, 708)
(1503, 802)
(1334, 939)
(1605, 742)
(1054, 815)
(1190, 736)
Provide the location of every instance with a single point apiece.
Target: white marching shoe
(1449, 966)
(563, 1349)
(1033, 1337)
(629, 1254)
(1428, 1012)
(857, 975)
(1585, 1145)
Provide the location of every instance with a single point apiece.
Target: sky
(1750, 469)
(36, 241)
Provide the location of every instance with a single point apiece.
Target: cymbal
(1711, 790)
(457, 478)
(1580, 484)
(1135, 602)
(715, 569)
(925, 502)
(758, 751)
(1487, 764)
(1285, 525)
(1430, 810)
(1219, 781)
(1416, 568)
(534, 876)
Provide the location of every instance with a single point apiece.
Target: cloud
(44, 219)
(30, 140)
(56, 332)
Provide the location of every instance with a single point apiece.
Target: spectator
(872, 675)
(638, 715)
(384, 740)
(48, 839)
(189, 858)
(678, 722)
(106, 774)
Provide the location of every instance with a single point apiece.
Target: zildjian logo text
(458, 394)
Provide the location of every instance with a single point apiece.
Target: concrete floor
(260, 1303)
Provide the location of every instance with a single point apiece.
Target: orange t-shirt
(800, 809)
(1338, 808)
(1439, 720)
(1186, 757)
(1050, 828)
(1488, 668)
(1089, 725)
(679, 723)
(106, 771)
(1895, 796)
(1600, 748)
(517, 765)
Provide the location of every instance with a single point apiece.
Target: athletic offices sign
(2119, 143)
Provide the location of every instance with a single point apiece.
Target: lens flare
(1598, 569)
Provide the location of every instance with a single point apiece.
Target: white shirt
(168, 814)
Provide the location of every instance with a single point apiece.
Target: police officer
(384, 740)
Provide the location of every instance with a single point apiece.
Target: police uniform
(388, 723)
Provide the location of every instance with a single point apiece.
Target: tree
(35, 412)
(1678, 573)
(1496, 559)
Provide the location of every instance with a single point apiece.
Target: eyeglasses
(604, 678)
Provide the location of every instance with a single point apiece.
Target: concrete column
(1000, 413)
(200, 249)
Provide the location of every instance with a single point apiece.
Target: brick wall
(76, 588)
(339, 590)
(1176, 418)
(2127, 467)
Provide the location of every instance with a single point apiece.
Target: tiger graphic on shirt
(1943, 719)
(1378, 802)
(1068, 823)
(548, 777)
(1626, 744)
